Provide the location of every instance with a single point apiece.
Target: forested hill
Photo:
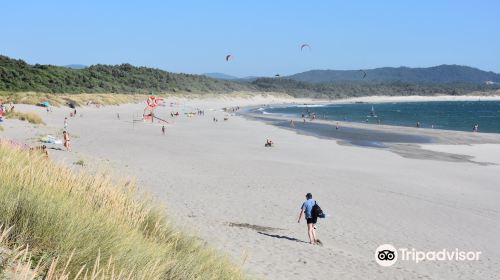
(17, 75)
(436, 74)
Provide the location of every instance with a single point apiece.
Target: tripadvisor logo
(387, 255)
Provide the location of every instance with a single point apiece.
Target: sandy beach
(218, 182)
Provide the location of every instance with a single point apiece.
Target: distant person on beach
(269, 143)
(163, 129)
(118, 115)
(42, 149)
(418, 124)
(475, 128)
(45, 151)
(67, 142)
(65, 122)
(292, 124)
(306, 211)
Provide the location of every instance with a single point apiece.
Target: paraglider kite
(305, 46)
(229, 57)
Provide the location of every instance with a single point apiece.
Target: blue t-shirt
(307, 206)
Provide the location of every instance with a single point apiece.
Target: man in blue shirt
(306, 210)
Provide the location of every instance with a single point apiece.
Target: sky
(264, 37)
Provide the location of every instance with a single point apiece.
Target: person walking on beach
(475, 128)
(306, 211)
(163, 129)
(65, 122)
(67, 142)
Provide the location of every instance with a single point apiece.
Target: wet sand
(405, 141)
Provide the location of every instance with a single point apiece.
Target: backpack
(316, 211)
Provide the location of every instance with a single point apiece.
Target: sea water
(451, 115)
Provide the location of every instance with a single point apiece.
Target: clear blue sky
(264, 36)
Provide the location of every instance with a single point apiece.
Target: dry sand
(220, 183)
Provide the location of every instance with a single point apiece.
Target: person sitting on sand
(306, 210)
(67, 142)
(269, 143)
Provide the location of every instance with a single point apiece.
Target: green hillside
(17, 75)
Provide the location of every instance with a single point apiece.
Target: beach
(218, 182)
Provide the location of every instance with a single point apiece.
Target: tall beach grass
(80, 99)
(30, 117)
(76, 224)
(34, 98)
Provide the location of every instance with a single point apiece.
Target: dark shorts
(311, 220)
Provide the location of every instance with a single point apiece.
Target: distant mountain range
(220, 76)
(76, 66)
(436, 74)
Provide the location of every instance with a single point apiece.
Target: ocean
(449, 115)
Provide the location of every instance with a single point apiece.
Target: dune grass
(80, 99)
(34, 98)
(30, 117)
(93, 224)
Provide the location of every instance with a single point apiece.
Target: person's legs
(310, 233)
(313, 230)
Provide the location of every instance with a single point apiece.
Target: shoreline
(367, 131)
(408, 142)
